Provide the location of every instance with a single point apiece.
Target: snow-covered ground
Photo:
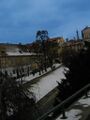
(47, 83)
(76, 114)
(71, 115)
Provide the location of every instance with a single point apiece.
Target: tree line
(78, 72)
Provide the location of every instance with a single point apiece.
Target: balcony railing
(62, 105)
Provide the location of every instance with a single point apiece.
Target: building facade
(86, 34)
(56, 45)
(14, 57)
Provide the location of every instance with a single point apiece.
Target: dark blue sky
(20, 19)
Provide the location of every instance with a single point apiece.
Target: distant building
(86, 34)
(57, 45)
(74, 45)
(58, 40)
(51, 46)
(16, 57)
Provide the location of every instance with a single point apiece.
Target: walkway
(33, 79)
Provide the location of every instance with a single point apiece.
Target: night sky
(21, 19)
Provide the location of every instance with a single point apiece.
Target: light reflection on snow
(47, 83)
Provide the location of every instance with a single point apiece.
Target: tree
(77, 76)
(14, 102)
(67, 55)
(46, 48)
(41, 37)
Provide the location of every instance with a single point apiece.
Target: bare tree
(41, 38)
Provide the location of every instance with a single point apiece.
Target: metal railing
(61, 106)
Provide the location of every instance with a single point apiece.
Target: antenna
(77, 34)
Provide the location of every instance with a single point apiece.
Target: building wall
(86, 34)
(16, 61)
(57, 44)
(75, 45)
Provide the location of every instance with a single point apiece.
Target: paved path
(46, 103)
(36, 79)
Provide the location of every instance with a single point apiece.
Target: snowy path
(31, 77)
(47, 83)
(79, 111)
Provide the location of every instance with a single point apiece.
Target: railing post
(86, 93)
(63, 113)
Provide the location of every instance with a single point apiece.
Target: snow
(73, 114)
(11, 69)
(85, 102)
(17, 53)
(76, 114)
(31, 77)
(47, 83)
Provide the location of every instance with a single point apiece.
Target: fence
(62, 105)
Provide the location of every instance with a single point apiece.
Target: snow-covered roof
(19, 53)
(15, 51)
(86, 28)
